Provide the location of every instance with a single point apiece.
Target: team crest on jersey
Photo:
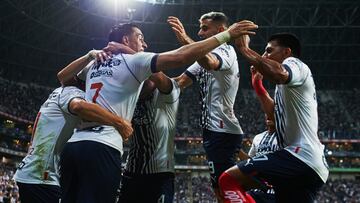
(223, 50)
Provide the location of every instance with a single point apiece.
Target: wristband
(223, 37)
(258, 87)
(89, 56)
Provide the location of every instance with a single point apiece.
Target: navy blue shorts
(292, 179)
(221, 151)
(149, 188)
(90, 172)
(39, 193)
(260, 196)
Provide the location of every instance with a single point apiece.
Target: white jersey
(218, 91)
(297, 118)
(263, 143)
(53, 126)
(154, 123)
(115, 85)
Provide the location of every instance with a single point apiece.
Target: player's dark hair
(216, 17)
(118, 31)
(287, 40)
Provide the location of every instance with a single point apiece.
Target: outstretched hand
(179, 30)
(99, 55)
(242, 28)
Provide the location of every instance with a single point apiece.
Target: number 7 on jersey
(98, 87)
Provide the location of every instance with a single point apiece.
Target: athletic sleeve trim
(289, 71)
(220, 60)
(68, 107)
(153, 63)
(190, 75)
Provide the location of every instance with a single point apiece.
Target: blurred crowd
(9, 192)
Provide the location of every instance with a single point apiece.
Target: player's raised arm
(266, 102)
(190, 53)
(66, 74)
(209, 61)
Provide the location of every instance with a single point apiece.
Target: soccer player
(91, 160)
(299, 169)
(150, 163)
(38, 173)
(264, 142)
(218, 76)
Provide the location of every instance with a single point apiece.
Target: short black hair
(216, 17)
(118, 31)
(288, 40)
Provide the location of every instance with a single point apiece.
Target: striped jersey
(152, 144)
(263, 143)
(115, 86)
(296, 117)
(218, 90)
(53, 126)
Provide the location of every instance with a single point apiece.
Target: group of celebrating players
(119, 94)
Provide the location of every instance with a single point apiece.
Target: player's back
(152, 145)
(53, 126)
(114, 85)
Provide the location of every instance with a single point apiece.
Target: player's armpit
(183, 81)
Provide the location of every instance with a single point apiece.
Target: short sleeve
(298, 71)
(142, 65)
(67, 95)
(252, 151)
(193, 71)
(226, 56)
(172, 97)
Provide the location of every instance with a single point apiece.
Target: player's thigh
(280, 169)
(38, 193)
(131, 187)
(100, 166)
(221, 150)
(166, 188)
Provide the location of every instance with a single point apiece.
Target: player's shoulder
(294, 61)
(70, 92)
(226, 49)
(260, 135)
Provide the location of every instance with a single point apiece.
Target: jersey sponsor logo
(106, 73)
(108, 63)
(232, 196)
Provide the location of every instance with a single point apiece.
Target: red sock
(232, 190)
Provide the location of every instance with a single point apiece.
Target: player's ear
(221, 28)
(126, 40)
(287, 52)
